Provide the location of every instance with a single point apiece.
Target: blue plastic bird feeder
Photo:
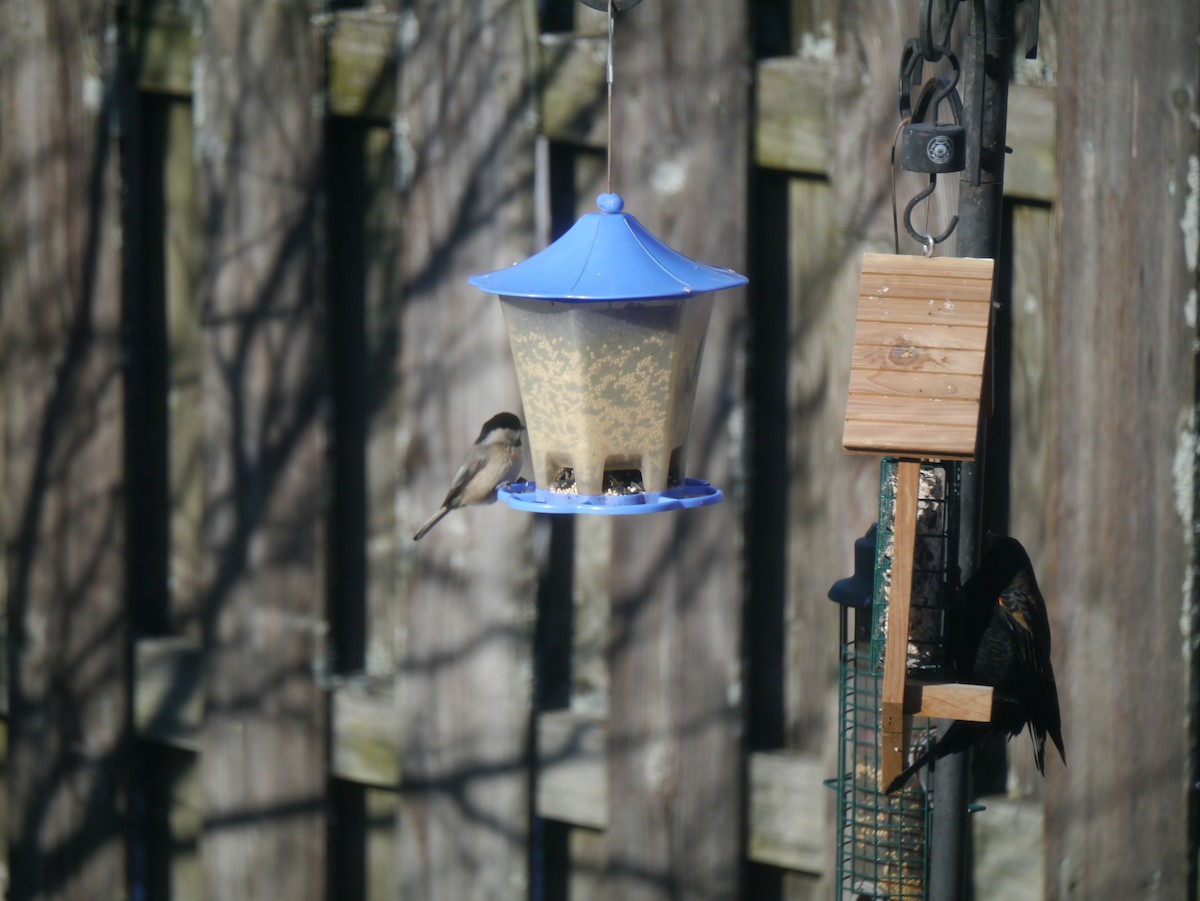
(607, 328)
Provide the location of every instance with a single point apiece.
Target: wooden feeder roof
(920, 350)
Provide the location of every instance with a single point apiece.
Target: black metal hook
(912, 64)
(933, 46)
(926, 240)
(935, 92)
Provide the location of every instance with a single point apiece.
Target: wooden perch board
(896, 725)
(920, 352)
(948, 700)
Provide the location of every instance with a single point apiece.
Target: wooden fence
(240, 362)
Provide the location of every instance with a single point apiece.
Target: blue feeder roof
(607, 256)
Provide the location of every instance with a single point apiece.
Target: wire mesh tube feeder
(607, 329)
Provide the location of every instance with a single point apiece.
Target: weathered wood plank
(920, 335)
(787, 813)
(65, 491)
(1122, 545)
(674, 754)
(162, 46)
(918, 309)
(789, 821)
(573, 96)
(184, 366)
(363, 48)
(167, 697)
(831, 498)
(364, 733)
(793, 113)
(942, 276)
(874, 436)
(930, 412)
(466, 127)
(572, 780)
(885, 382)
(795, 121)
(1030, 171)
(1008, 853)
(260, 165)
(785, 789)
(914, 359)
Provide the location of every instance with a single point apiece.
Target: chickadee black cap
(500, 421)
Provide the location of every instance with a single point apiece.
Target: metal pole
(979, 212)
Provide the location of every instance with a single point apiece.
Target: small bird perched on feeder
(1003, 640)
(494, 460)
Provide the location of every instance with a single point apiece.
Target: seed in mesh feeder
(929, 565)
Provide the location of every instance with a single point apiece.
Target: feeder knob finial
(610, 203)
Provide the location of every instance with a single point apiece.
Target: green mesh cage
(883, 840)
(934, 561)
(883, 848)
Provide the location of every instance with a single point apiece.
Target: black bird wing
(1033, 674)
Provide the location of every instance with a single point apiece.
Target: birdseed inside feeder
(607, 328)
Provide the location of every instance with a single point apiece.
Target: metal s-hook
(925, 239)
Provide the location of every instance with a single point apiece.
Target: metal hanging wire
(610, 8)
(609, 79)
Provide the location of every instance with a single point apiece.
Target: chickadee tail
(430, 523)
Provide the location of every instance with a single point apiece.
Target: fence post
(263, 744)
(1121, 579)
(464, 134)
(64, 486)
(676, 777)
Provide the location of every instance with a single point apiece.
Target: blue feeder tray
(606, 327)
(692, 493)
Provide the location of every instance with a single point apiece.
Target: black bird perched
(1002, 639)
(494, 460)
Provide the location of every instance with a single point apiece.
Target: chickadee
(494, 460)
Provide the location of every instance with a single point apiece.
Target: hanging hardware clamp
(935, 147)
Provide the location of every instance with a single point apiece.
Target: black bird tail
(1038, 734)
